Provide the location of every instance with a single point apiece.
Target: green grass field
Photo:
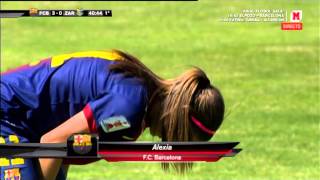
(270, 78)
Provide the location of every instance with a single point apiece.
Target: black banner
(33, 12)
(84, 146)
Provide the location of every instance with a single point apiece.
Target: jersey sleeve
(115, 117)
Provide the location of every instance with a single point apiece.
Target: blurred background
(268, 77)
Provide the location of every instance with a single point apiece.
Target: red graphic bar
(164, 156)
(166, 152)
(291, 25)
(153, 159)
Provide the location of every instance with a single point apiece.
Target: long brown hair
(173, 101)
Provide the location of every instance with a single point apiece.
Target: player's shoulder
(133, 101)
(126, 120)
(127, 87)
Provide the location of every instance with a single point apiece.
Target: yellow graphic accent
(4, 162)
(17, 161)
(2, 140)
(13, 174)
(13, 139)
(60, 59)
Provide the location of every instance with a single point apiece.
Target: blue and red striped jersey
(40, 96)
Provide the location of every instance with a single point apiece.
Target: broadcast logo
(295, 21)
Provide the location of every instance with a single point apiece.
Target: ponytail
(176, 108)
(176, 100)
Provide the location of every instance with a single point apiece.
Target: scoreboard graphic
(33, 12)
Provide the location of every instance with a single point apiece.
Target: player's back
(39, 97)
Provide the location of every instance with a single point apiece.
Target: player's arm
(76, 124)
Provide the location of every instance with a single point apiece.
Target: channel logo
(295, 21)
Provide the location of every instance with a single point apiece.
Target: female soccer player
(84, 92)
